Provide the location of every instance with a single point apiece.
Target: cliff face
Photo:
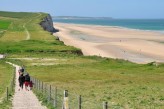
(47, 24)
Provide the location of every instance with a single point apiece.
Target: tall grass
(121, 83)
(6, 72)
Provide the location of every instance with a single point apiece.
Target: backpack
(27, 78)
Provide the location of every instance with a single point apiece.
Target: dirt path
(28, 36)
(24, 99)
(26, 31)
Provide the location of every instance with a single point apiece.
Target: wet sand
(115, 42)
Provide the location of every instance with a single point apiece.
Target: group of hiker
(24, 79)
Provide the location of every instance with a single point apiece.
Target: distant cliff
(47, 24)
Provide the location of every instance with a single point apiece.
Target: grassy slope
(4, 25)
(123, 83)
(6, 72)
(5, 76)
(14, 39)
(97, 79)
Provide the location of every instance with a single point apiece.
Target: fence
(62, 99)
(10, 88)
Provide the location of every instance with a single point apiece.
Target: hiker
(31, 85)
(27, 81)
(21, 70)
(21, 80)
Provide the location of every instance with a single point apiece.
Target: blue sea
(141, 24)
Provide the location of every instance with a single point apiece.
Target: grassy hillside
(123, 84)
(6, 72)
(15, 38)
(16, 14)
(4, 25)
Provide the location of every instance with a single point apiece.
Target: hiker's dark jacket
(21, 79)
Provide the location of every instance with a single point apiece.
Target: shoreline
(119, 27)
(118, 43)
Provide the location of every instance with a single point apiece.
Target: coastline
(109, 26)
(161, 32)
(114, 42)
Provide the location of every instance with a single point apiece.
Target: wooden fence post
(49, 97)
(80, 102)
(34, 83)
(13, 82)
(39, 84)
(7, 93)
(105, 105)
(55, 100)
(65, 103)
(45, 86)
(42, 86)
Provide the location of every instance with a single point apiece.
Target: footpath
(24, 99)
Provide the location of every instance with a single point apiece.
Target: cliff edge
(47, 24)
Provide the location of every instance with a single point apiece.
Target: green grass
(6, 104)
(5, 76)
(43, 99)
(14, 39)
(6, 72)
(16, 14)
(33, 46)
(122, 84)
(4, 25)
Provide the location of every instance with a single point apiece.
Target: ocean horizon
(139, 24)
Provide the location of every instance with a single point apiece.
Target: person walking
(21, 70)
(27, 81)
(21, 80)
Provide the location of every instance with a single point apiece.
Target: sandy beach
(114, 42)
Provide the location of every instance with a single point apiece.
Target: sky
(135, 9)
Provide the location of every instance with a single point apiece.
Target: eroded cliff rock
(47, 24)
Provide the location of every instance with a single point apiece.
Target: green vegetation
(16, 14)
(121, 83)
(44, 100)
(34, 46)
(97, 79)
(6, 72)
(4, 25)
